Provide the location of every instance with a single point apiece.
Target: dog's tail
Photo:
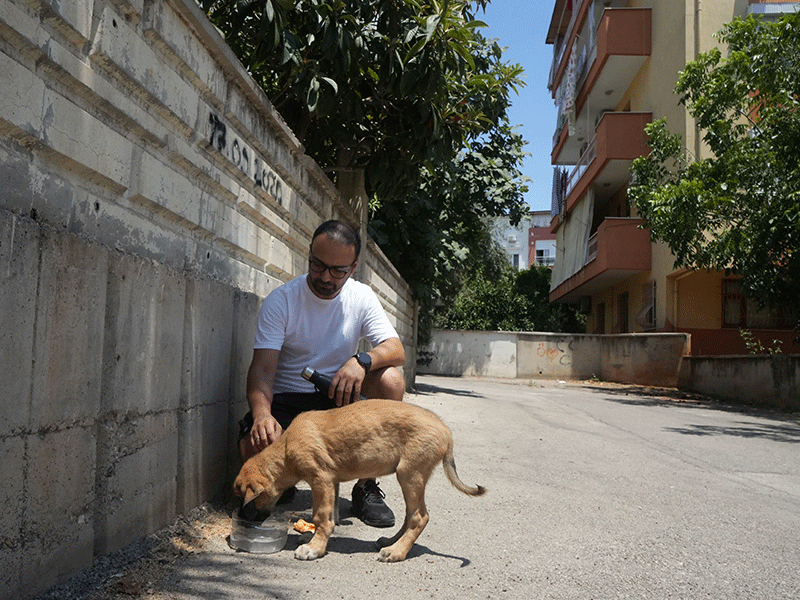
(449, 465)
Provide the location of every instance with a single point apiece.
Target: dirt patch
(135, 571)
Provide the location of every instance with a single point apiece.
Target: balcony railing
(547, 261)
(619, 136)
(583, 164)
(591, 248)
(559, 54)
(586, 61)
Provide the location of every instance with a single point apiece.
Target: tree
(739, 209)
(442, 231)
(404, 104)
(383, 86)
(514, 301)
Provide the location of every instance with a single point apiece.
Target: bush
(512, 301)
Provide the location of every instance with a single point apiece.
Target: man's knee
(385, 383)
(396, 384)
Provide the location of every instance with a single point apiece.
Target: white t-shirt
(317, 333)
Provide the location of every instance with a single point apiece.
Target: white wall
(649, 359)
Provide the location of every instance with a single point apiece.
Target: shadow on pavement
(427, 389)
(786, 428)
(777, 433)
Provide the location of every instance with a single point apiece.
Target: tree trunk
(350, 183)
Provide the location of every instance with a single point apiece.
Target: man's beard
(325, 289)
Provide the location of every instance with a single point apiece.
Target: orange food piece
(303, 526)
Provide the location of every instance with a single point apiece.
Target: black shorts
(285, 407)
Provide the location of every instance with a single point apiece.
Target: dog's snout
(249, 512)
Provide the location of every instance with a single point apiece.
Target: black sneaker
(368, 505)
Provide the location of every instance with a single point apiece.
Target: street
(595, 492)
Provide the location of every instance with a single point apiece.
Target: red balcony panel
(623, 249)
(623, 44)
(620, 139)
(624, 31)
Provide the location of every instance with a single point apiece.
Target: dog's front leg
(336, 517)
(323, 495)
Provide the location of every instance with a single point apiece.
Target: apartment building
(541, 241)
(615, 64)
(528, 244)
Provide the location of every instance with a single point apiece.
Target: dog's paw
(305, 552)
(389, 555)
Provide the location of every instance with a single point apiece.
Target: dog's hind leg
(397, 547)
(386, 541)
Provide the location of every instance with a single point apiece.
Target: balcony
(623, 45)
(771, 10)
(606, 162)
(618, 249)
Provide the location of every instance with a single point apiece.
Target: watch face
(364, 359)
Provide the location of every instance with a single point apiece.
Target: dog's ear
(245, 487)
(251, 493)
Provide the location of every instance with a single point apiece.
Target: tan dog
(370, 438)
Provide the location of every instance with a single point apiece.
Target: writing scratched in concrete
(244, 158)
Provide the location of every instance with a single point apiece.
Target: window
(733, 304)
(739, 311)
(544, 258)
(515, 261)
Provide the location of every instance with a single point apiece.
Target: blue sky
(521, 27)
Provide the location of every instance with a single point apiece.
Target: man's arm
(348, 380)
(260, 378)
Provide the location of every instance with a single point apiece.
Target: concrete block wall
(648, 359)
(651, 359)
(150, 198)
(766, 380)
(470, 353)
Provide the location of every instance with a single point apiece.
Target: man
(316, 320)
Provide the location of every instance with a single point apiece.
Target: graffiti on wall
(244, 158)
(561, 351)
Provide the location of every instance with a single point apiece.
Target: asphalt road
(595, 492)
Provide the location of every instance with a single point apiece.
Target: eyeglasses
(317, 266)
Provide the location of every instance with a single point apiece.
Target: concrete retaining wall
(150, 197)
(650, 359)
(658, 359)
(759, 380)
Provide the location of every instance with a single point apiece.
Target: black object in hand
(321, 382)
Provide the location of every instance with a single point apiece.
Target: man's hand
(346, 384)
(265, 431)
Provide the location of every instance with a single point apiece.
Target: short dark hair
(340, 232)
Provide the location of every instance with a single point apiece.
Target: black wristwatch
(365, 360)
